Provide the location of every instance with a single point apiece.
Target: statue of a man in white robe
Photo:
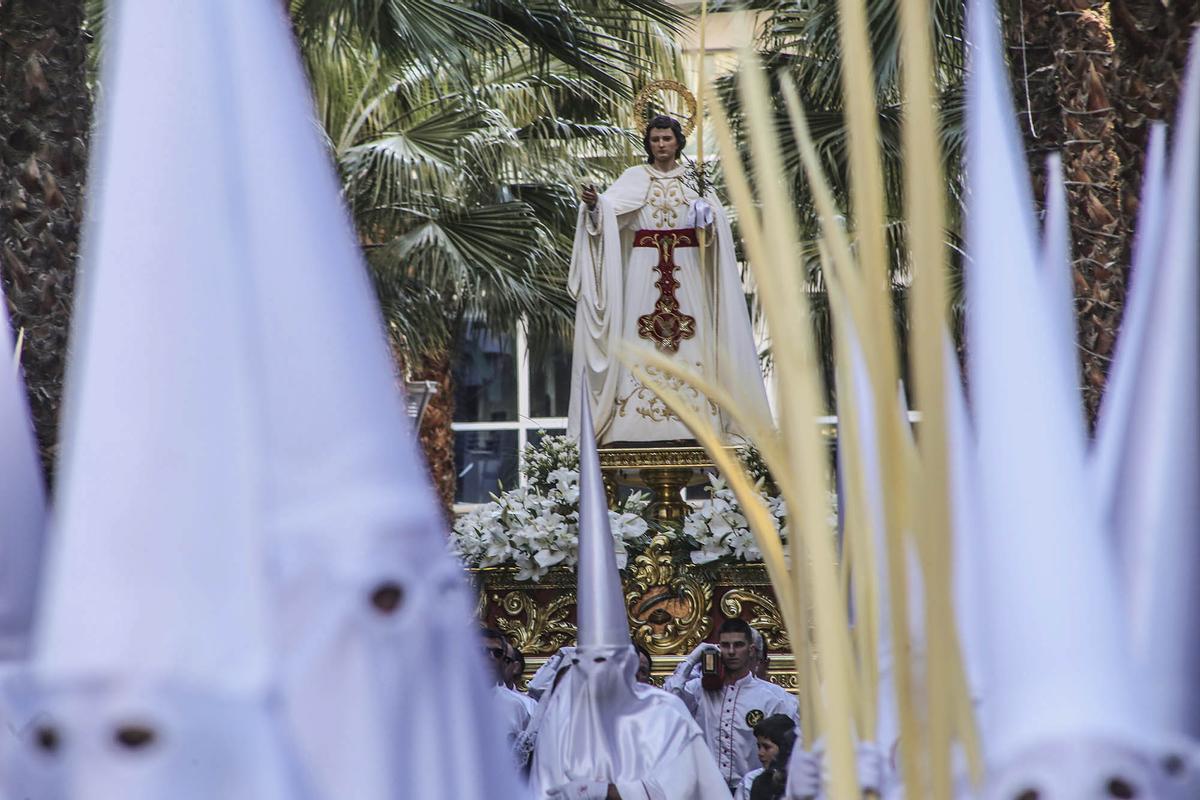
(637, 277)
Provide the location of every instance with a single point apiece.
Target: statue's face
(663, 144)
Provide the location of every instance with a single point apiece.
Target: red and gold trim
(666, 326)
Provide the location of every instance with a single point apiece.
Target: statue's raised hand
(589, 195)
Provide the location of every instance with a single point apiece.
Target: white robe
(511, 710)
(743, 789)
(599, 724)
(613, 283)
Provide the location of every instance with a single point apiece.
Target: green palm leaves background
(461, 131)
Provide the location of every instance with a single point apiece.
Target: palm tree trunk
(1089, 76)
(1152, 40)
(44, 115)
(1064, 64)
(437, 436)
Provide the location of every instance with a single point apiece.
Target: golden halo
(686, 122)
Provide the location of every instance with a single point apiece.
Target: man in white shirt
(728, 713)
(511, 709)
(514, 667)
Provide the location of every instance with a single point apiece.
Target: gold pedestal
(665, 471)
(667, 484)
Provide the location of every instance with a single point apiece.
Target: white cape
(613, 284)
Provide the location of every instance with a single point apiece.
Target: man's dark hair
(492, 633)
(644, 652)
(662, 121)
(737, 625)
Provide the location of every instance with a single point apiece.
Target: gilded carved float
(672, 603)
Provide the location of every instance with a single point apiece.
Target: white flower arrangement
(536, 527)
(720, 530)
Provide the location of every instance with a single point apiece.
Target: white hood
(1056, 666)
(22, 506)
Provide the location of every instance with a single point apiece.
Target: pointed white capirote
(371, 617)
(602, 618)
(152, 651)
(287, 427)
(1057, 665)
(1107, 457)
(22, 506)
(1155, 506)
(599, 726)
(1056, 274)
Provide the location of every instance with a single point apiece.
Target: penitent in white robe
(614, 284)
(600, 725)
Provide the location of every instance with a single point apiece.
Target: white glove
(580, 790)
(697, 654)
(869, 764)
(701, 214)
(804, 775)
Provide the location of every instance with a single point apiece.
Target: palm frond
(609, 42)
(442, 32)
(499, 260)
(461, 140)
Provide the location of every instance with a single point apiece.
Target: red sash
(666, 326)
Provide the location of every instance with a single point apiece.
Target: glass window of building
(508, 388)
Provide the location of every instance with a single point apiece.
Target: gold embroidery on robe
(665, 197)
(643, 400)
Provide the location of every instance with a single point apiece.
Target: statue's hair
(663, 122)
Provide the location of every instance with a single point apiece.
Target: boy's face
(767, 751)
